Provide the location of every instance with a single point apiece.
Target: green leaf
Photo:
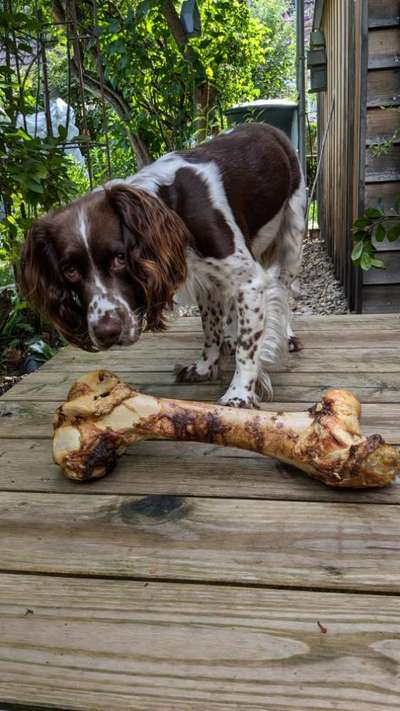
(362, 222)
(114, 26)
(366, 261)
(357, 250)
(397, 203)
(35, 187)
(377, 263)
(373, 213)
(360, 236)
(144, 7)
(394, 233)
(380, 233)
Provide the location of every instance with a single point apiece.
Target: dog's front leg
(250, 309)
(211, 305)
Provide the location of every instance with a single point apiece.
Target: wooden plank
(383, 125)
(108, 645)
(383, 13)
(318, 359)
(274, 543)
(389, 275)
(383, 168)
(303, 322)
(382, 195)
(384, 48)
(22, 419)
(188, 345)
(178, 469)
(369, 386)
(383, 87)
(381, 299)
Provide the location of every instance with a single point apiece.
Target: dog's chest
(203, 275)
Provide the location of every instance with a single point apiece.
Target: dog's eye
(71, 273)
(118, 261)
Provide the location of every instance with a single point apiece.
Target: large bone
(102, 416)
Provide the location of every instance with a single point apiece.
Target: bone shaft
(272, 434)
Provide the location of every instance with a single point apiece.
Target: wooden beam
(383, 13)
(383, 88)
(107, 645)
(384, 48)
(274, 543)
(184, 469)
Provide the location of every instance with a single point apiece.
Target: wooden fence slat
(383, 88)
(381, 300)
(382, 124)
(389, 275)
(383, 168)
(107, 645)
(181, 469)
(274, 543)
(384, 48)
(383, 13)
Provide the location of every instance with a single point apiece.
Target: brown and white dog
(224, 221)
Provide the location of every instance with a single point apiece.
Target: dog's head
(105, 266)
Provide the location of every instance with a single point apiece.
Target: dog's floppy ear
(157, 240)
(43, 286)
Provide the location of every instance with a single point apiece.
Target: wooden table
(196, 577)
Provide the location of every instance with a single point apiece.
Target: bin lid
(264, 104)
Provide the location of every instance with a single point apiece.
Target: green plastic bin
(278, 112)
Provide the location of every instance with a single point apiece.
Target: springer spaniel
(224, 220)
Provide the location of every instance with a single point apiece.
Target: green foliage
(34, 178)
(160, 79)
(384, 147)
(21, 330)
(374, 224)
(174, 93)
(276, 74)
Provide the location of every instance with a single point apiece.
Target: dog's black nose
(107, 331)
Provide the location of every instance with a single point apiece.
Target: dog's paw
(235, 397)
(295, 344)
(238, 402)
(191, 374)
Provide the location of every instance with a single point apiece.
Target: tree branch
(98, 89)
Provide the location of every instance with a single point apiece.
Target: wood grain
(384, 48)
(369, 386)
(107, 645)
(22, 419)
(303, 322)
(383, 87)
(382, 124)
(274, 543)
(184, 512)
(383, 168)
(318, 359)
(176, 468)
(389, 275)
(381, 299)
(191, 342)
(383, 13)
